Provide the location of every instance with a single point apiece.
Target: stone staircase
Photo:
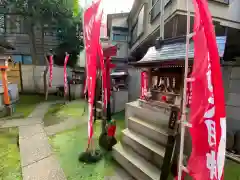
(147, 144)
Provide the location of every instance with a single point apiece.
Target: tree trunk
(33, 51)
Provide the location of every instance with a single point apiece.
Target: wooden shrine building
(149, 146)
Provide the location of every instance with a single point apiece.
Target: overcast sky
(112, 6)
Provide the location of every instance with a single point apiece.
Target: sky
(113, 6)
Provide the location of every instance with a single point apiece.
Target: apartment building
(118, 33)
(13, 30)
(144, 23)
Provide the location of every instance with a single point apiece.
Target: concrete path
(37, 159)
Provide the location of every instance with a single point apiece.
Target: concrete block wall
(133, 84)
(231, 77)
(28, 78)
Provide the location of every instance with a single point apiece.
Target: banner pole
(183, 117)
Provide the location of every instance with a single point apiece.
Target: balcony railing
(222, 1)
(156, 8)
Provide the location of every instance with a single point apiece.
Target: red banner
(65, 74)
(144, 84)
(50, 70)
(207, 116)
(92, 23)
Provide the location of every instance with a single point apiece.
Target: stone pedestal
(120, 98)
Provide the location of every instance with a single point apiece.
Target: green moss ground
(59, 112)
(73, 109)
(52, 117)
(27, 103)
(10, 166)
(69, 144)
(232, 170)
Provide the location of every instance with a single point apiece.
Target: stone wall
(133, 84)
(28, 79)
(231, 77)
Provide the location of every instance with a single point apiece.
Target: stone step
(150, 131)
(148, 149)
(156, 116)
(134, 164)
(99, 113)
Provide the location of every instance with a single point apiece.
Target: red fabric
(207, 116)
(183, 176)
(144, 84)
(92, 23)
(50, 70)
(65, 74)
(112, 130)
(105, 65)
(164, 98)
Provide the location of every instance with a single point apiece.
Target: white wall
(133, 84)
(28, 79)
(119, 21)
(228, 15)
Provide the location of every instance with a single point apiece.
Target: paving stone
(20, 122)
(34, 148)
(40, 110)
(30, 131)
(2, 122)
(119, 174)
(46, 169)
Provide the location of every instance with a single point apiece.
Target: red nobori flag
(144, 84)
(65, 74)
(50, 70)
(92, 23)
(207, 116)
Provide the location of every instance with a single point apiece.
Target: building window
(119, 37)
(15, 24)
(138, 27)
(23, 59)
(134, 34)
(156, 9)
(27, 59)
(2, 24)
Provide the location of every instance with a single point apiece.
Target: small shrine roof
(173, 50)
(5, 45)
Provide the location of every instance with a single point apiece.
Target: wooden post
(21, 76)
(149, 78)
(5, 87)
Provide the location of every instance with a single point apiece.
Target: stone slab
(40, 111)
(2, 122)
(119, 174)
(234, 86)
(30, 131)
(34, 148)
(233, 99)
(21, 122)
(233, 112)
(46, 169)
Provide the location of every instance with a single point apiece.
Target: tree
(72, 42)
(41, 14)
